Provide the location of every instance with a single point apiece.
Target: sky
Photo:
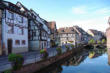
(88, 14)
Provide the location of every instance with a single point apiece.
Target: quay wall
(40, 65)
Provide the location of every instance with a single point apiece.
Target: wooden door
(9, 44)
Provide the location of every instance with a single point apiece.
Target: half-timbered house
(33, 30)
(68, 35)
(14, 29)
(39, 32)
(44, 31)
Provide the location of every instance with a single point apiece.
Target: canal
(86, 61)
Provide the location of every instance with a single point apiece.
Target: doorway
(9, 46)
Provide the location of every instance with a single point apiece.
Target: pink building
(108, 35)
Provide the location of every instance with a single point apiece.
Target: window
(22, 30)
(23, 42)
(17, 42)
(11, 15)
(10, 29)
(34, 33)
(21, 19)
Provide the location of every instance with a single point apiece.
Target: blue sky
(88, 14)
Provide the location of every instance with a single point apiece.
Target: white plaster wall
(15, 35)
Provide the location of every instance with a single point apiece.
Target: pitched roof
(12, 7)
(66, 30)
(95, 32)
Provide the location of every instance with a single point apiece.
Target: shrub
(12, 57)
(67, 47)
(98, 42)
(72, 46)
(7, 71)
(17, 61)
(59, 51)
(44, 53)
(103, 41)
(91, 41)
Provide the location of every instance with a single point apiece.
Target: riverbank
(40, 65)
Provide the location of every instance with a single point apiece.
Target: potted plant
(72, 46)
(98, 42)
(16, 60)
(59, 51)
(44, 53)
(103, 41)
(67, 47)
(91, 41)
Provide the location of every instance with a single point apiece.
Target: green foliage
(103, 41)
(67, 47)
(12, 57)
(44, 53)
(17, 60)
(91, 41)
(7, 71)
(99, 42)
(72, 46)
(59, 51)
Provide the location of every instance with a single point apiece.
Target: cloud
(79, 10)
(103, 11)
(90, 11)
(93, 23)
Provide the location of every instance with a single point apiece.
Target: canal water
(86, 61)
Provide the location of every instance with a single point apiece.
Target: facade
(39, 32)
(45, 34)
(33, 30)
(67, 36)
(84, 36)
(73, 35)
(14, 25)
(53, 28)
(108, 36)
(97, 35)
(34, 33)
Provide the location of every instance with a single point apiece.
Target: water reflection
(96, 53)
(108, 52)
(79, 58)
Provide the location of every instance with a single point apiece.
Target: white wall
(16, 35)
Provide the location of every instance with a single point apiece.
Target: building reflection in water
(96, 53)
(108, 52)
(78, 58)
